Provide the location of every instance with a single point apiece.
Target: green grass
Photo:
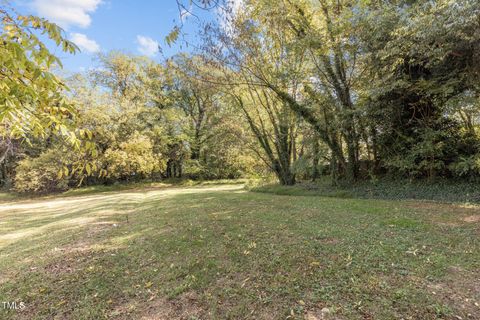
(7, 195)
(218, 252)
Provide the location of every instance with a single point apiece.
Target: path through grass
(218, 252)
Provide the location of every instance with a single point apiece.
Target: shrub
(133, 159)
(41, 174)
(466, 166)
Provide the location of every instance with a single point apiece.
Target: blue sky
(135, 27)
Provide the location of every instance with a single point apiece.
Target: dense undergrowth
(440, 190)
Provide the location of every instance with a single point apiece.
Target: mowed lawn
(220, 252)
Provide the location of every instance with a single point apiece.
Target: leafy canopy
(32, 99)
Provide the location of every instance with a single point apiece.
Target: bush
(133, 159)
(41, 174)
(446, 152)
(466, 166)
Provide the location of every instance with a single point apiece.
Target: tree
(246, 61)
(199, 101)
(323, 35)
(32, 99)
(274, 126)
(425, 84)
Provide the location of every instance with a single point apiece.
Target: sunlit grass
(218, 252)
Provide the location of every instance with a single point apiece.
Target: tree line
(349, 89)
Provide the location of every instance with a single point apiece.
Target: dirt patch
(435, 208)
(320, 314)
(461, 291)
(69, 258)
(327, 240)
(472, 219)
(60, 268)
(331, 241)
(184, 307)
(447, 215)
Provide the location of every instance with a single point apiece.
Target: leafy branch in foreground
(33, 100)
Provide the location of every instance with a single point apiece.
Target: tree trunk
(285, 177)
(316, 159)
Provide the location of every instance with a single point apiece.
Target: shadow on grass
(79, 237)
(25, 219)
(218, 252)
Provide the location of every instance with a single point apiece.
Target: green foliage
(172, 37)
(466, 166)
(350, 88)
(148, 124)
(388, 87)
(33, 101)
(42, 174)
(134, 159)
(31, 97)
(422, 100)
(302, 167)
(430, 154)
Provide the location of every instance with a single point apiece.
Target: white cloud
(226, 14)
(67, 13)
(147, 46)
(86, 44)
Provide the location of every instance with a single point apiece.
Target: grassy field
(220, 252)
